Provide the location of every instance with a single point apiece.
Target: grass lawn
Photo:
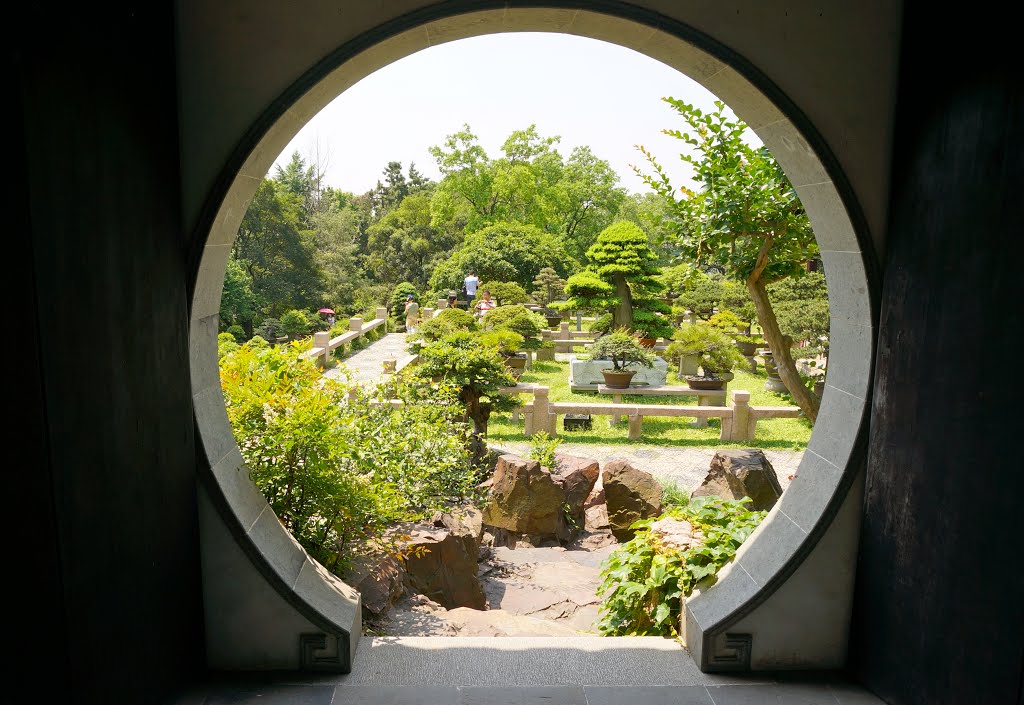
(778, 434)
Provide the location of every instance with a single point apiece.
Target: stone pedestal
(586, 374)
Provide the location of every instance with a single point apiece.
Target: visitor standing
(412, 314)
(471, 283)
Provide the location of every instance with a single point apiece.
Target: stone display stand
(586, 374)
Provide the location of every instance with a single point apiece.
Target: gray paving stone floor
(367, 365)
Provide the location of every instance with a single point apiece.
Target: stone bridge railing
(324, 344)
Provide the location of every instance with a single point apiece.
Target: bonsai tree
(623, 349)
(479, 372)
(716, 351)
(549, 287)
(518, 319)
(505, 341)
(622, 279)
(444, 323)
(505, 293)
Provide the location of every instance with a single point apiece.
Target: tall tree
(530, 183)
(507, 252)
(403, 245)
(277, 252)
(745, 217)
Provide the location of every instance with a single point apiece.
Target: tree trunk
(479, 414)
(623, 313)
(783, 360)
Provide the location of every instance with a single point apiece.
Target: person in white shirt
(471, 284)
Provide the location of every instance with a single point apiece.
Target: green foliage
(505, 293)
(225, 344)
(622, 348)
(530, 183)
(403, 246)
(238, 333)
(736, 298)
(746, 218)
(295, 323)
(399, 295)
(645, 582)
(506, 341)
(801, 305)
(477, 371)
(727, 322)
(700, 294)
(270, 330)
(548, 287)
(519, 319)
(367, 298)
(622, 279)
(505, 252)
(673, 496)
(339, 470)
(716, 351)
(238, 301)
(649, 319)
(447, 321)
(543, 449)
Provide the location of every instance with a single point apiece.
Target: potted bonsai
(716, 354)
(649, 325)
(507, 343)
(624, 351)
(549, 288)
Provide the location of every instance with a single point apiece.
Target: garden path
(367, 365)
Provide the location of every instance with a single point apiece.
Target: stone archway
(255, 573)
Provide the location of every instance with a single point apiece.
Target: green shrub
(506, 341)
(449, 320)
(226, 344)
(505, 293)
(295, 323)
(519, 319)
(238, 333)
(644, 582)
(338, 470)
(543, 449)
(399, 296)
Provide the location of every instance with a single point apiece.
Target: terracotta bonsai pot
(618, 379)
(748, 349)
(648, 342)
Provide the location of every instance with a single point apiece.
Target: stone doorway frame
(800, 561)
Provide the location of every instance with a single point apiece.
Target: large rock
(528, 499)
(739, 473)
(577, 477)
(441, 559)
(380, 581)
(630, 495)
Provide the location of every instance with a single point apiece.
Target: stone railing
(739, 421)
(324, 344)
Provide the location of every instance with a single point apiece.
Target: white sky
(586, 91)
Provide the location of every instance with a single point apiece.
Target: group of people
(481, 304)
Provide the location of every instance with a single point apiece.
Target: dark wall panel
(939, 615)
(101, 146)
